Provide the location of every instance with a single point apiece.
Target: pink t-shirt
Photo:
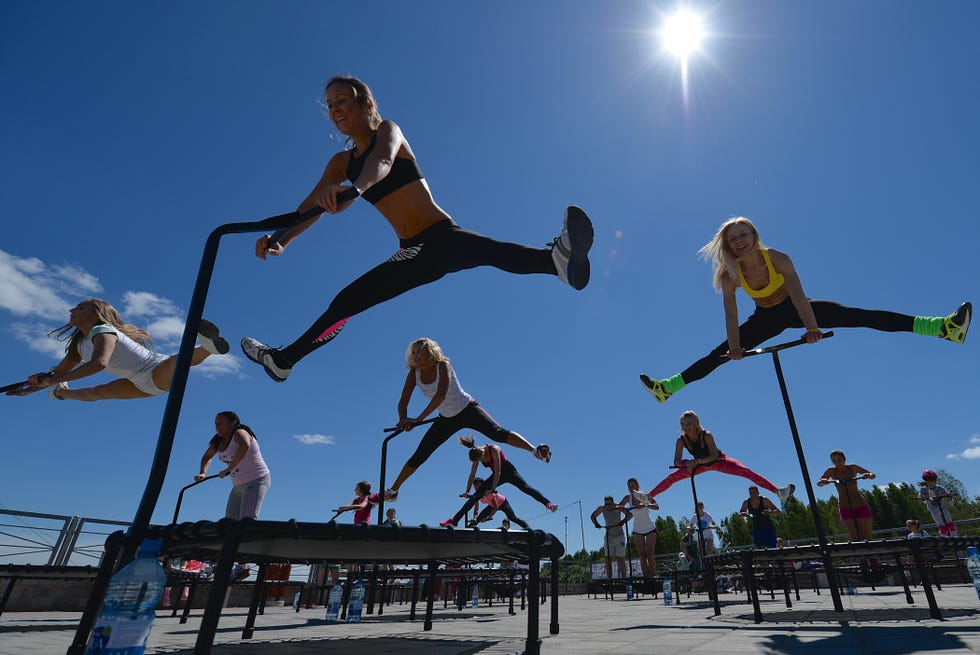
(252, 467)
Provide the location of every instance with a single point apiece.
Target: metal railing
(53, 539)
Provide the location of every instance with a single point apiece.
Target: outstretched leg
(732, 466)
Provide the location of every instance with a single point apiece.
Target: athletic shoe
(956, 324)
(391, 495)
(551, 507)
(655, 387)
(570, 249)
(447, 523)
(785, 493)
(211, 339)
(543, 452)
(260, 353)
(55, 388)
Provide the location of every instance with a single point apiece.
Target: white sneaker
(260, 353)
(211, 339)
(570, 250)
(543, 452)
(54, 389)
(785, 493)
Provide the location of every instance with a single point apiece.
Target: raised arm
(679, 452)
(333, 175)
(826, 478)
(730, 302)
(206, 462)
(405, 423)
(440, 394)
(794, 287)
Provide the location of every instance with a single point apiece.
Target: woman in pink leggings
(706, 457)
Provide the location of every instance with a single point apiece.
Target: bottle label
(120, 635)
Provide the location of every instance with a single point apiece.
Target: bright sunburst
(682, 34)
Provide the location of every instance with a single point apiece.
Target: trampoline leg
(554, 596)
(432, 592)
(256, 599)
(222, 574)
(533, 644)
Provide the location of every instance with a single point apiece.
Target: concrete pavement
(878, 623)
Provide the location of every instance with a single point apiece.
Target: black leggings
(767, 322)
(439, 249)
(487, 512)
(473, 417)
(508, 474)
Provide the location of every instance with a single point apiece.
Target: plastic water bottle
(356, 602)
(130, 605)
(334, 599)
(973, 566)
(668, 591)
(296, 600)
(629, 589)
(476, 595)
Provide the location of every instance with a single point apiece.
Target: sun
(682, 34)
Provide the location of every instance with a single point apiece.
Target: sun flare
(682, 34)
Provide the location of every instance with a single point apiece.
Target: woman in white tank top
(429, 370)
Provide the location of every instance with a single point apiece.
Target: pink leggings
(726, 465)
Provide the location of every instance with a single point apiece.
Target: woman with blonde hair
(381, 167)
(706, 456)
(738, 259)
(99, 339)
(430, 371)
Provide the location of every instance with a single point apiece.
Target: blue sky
(846, 131)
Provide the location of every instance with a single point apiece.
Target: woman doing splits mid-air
(236, 445)
(495, 502)
(382, 168)
(429, 370)
(701, 445)
(98, 339)
(639, 504)
(492, 456)
(739, 259)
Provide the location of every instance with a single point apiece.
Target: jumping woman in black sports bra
(382, 168)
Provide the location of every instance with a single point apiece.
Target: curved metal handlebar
(180, 496)
(781, 346)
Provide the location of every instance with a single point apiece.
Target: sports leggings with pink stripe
(725, 465)
(440, 249)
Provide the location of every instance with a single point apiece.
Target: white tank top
(128, 358)
(456, 399)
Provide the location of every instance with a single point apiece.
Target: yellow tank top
(773, 293)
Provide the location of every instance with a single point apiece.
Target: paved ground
(879, 623)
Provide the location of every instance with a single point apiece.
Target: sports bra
(776, 281)
(403, 171)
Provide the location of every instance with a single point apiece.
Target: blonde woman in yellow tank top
(739, 259)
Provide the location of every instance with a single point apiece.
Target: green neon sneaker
(655, 387)
(956, 324)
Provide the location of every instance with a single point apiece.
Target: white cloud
(144, 303)
(35, 336)
(314, 439)
(215, 367)
(166, 330)
(29, 288)
(969, 453)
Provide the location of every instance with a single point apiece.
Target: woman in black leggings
(739, 259)
(381, 167)
(492, 456)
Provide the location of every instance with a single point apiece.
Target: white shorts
(144, 380)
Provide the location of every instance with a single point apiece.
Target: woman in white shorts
(638, 504)
(98, 339)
